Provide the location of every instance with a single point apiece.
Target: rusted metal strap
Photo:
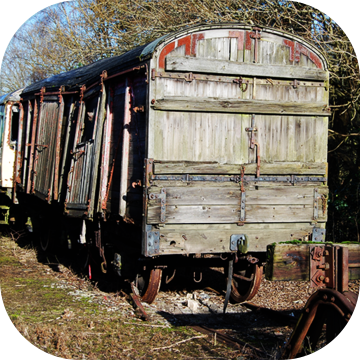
(257, 36)
(162, 197)
(292, 179)
(134, 296)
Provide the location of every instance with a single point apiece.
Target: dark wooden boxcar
(204, 144)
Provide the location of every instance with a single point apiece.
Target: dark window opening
(14, 125)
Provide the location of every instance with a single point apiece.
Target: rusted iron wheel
(45, 239)
(325, 306)
(149, 285)
(244, 290)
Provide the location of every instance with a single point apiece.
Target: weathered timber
(201, 196)
(193, 214)
(174, 103)
(292, 261)
(214, 66)
(275, 168)
(288, 262)
(193, 238)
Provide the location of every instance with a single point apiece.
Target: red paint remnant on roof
(194, 39)
(165, 51)
(240, 36)
(187, 42)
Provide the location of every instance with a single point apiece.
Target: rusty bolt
(321, 278)
(332, 299)
(327, 280)
(153, 101)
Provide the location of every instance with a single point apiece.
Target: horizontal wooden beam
(212, 66)
(275, 168)
(220, 214)
(241, 106)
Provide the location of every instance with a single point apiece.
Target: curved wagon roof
(13, 96)
(88, 74)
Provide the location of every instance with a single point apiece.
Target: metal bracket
(329, 267)
(316, 203)
(242, 206)
(238, 242)
(152, 246)
(318, 235)
(162, 197)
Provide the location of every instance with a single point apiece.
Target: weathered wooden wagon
(202, 147)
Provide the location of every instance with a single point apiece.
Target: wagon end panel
(238, 141)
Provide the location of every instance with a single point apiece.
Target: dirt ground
(64, 314)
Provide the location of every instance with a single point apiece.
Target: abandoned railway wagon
(200, 148)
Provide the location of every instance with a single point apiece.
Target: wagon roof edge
(87, 74)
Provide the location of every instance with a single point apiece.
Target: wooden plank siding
(273, 168)
(241, 106)
(204, 101)
(222, 66)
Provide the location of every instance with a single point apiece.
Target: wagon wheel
(149, 284)
(246, 283)
(48, 236)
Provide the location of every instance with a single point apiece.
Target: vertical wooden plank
(66, 145)
(27, 141)
(57, 148)
(104, 175)
(125, 150)
(32, 149)
(97, 132)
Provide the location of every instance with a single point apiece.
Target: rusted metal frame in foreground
(308, 321)
(328, 268)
